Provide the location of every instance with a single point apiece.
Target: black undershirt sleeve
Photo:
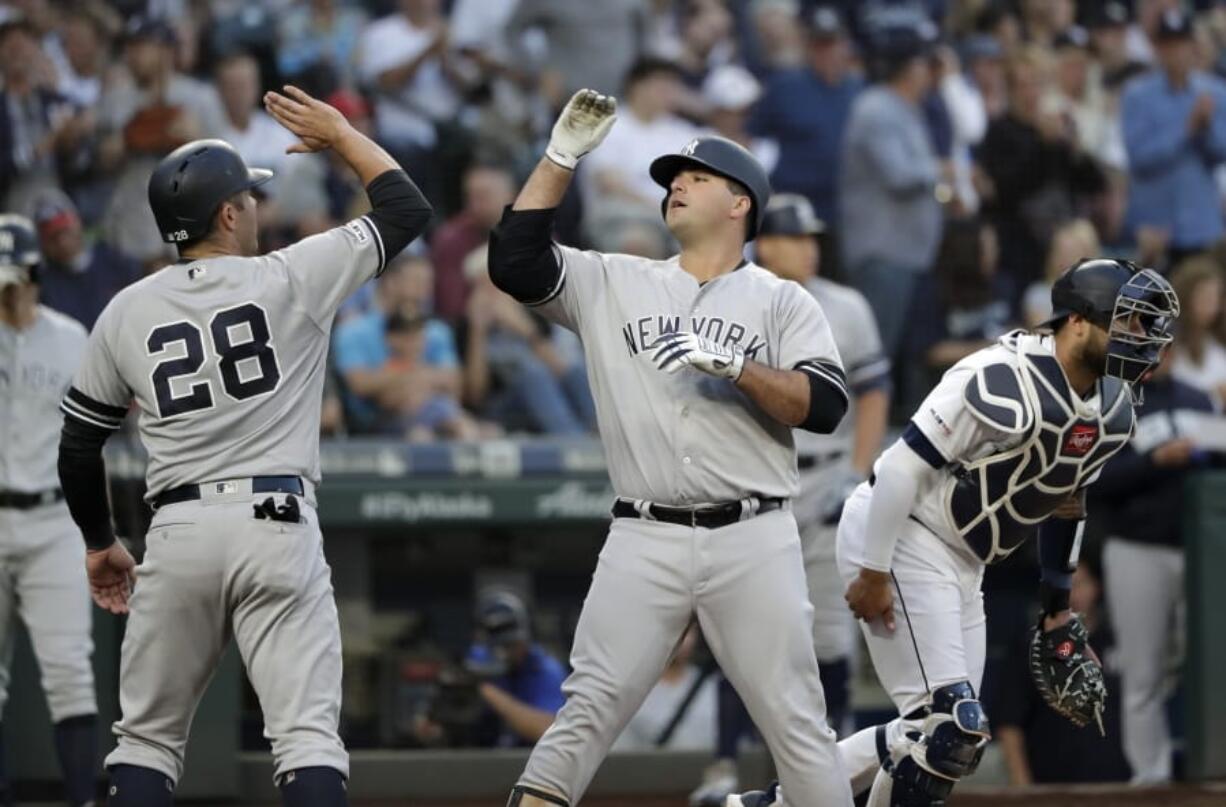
(827, 405)
(522, 261)
(83, 478)
(399, 210)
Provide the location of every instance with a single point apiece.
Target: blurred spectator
(1174, 121)
(730, 91)
(614, 179)
(1038, 174)
(514, 373)
(968, 117)
(1040, 746)
(806, 109)
(706, 39)
(399, 367)
(985, 69)
(1138, 502)
(403, 57)
(778, 42)
(1094, 110)
(888, 182)
(1110, 33)
(426, 405)
(145, 114)
(487, 190)
(960, 306)
(679, 712)
(86, 36)
(319, 39)
(590, 45)
(1074, 241)
(525, 691)
(1044, 20)
(1199, 358)
(36, 122)
(79, 276)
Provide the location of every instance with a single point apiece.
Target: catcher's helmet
(790, 214)
(720, 156)
(1137, 307)
(19, 251)
(191, 182)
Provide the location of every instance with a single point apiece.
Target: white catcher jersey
(225, 358)
(36, 366)
(946, 420)
(687, 438)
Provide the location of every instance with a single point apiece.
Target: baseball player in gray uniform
(42, 560)
(1002, 447)
(831, 465)
(224, 354)
(700, 366)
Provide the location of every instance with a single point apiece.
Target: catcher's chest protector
(996, 502)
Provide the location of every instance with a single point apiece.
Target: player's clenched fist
(676, 350)
(316, 124)
(584, 122)
(869, 596)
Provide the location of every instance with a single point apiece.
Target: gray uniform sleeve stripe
(370, 225)
(829, 373)
(69, 410)
(557, 288)
(97, 407)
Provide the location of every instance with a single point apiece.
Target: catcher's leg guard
(948, 747)
(519, 791)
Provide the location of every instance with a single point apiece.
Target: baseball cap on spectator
(17, 22)
(52, 212)
(731, 86)
(150, 29)
(1072, 37)
(981, 46)
(1173, 24)
(1108, 15)
(895, 45)
(825, 23)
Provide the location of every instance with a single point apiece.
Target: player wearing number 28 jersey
(224, 355)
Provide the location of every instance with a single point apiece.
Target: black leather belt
(709, 516)
(259, 484)
(15, 500)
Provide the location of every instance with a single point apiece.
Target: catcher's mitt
(1067, 673)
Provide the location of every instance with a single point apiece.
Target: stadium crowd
(961, 154)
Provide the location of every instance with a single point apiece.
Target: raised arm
(398, 209)
(521, 261)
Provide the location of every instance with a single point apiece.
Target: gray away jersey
(688, 438)
(225, 358)
(36, 366)
(859, 343)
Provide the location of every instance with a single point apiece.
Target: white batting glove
(676, 350)
(584, 122)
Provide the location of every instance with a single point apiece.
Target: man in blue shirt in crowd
(362, 352)
(526, 691)
(1174, 122)
(806, 110)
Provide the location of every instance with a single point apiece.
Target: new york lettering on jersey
(683, 442)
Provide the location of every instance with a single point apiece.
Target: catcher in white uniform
(1006, 442)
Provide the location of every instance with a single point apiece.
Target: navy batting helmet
(790, 214)
(721, 156)
(1137, 307)
(19, 252)
(191, 182)
(504, 617)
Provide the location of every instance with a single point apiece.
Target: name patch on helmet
(1081, 438)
